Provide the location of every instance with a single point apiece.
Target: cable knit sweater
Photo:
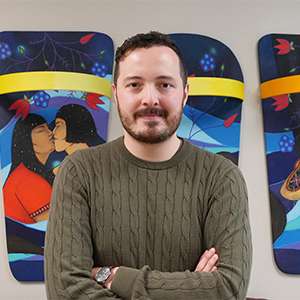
(154, 219)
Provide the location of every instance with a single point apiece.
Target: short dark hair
(148, 40)
(80, 125)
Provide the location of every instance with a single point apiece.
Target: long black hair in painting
(22, 147)
(80, 125)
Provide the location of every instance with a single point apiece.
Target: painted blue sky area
(191, 131)
(18, 256)
(4, 174)
(294, 213)
(293, 225)
(272, 140)
(286, 238)
(42, 226)
(213, 127)
(5, 143)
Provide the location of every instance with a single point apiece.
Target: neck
(152, 152)
(42, 157)
(74, 147)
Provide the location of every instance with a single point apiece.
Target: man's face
(60, 135)
(42, 139)
(150, 94)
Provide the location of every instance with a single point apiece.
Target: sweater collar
(184, 150)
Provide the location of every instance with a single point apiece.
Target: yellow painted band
(52, 80)
(216, 86)
(280, 86)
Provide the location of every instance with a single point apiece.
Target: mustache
(151, 111)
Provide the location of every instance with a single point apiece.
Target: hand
(208, 261)
(109, 280)
(94, 272)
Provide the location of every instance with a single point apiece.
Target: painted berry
(5, 51)
(99, 69)
(41, 99)
(207, 63)
(286, 144)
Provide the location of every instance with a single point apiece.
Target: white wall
(239, 24)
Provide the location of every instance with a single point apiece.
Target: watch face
(102, 274)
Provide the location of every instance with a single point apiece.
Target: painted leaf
(86, 38)
(229, 121)
(22, 107)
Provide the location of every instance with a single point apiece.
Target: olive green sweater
(154, 219)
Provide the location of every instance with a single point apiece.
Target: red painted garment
(26, 195)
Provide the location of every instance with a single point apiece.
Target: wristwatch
(102, 274)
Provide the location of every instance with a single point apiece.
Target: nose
(150, 96)
(50, 133)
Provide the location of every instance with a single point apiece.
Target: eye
(165, 85)
(133, 85)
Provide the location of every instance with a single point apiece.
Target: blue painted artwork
(39, 128)
(279, 56)
(211, 122)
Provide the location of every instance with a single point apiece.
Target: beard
(153, 132)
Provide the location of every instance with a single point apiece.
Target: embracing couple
(37, 152)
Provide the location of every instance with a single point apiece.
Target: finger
(94, 271)
(214, 269)
(206, 256)
(211, 263)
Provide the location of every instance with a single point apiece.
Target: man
(154, 216)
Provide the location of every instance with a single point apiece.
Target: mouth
(150, 117)
(151, 113)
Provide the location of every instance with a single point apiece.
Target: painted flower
(284, 46)
(281, 102)
(22, 107)
(92, 100)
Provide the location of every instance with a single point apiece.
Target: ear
(114, 93)
(186, 94)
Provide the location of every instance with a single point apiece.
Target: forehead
(153, 61)
(39, 127)
(60, 120)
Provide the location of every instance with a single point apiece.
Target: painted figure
(27, 189)
(74, 129)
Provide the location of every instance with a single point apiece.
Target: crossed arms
(69, 250)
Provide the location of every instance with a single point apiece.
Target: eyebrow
(139, 77)
(132, 78)
(166, 77)
(40, 126)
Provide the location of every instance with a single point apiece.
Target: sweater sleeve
(69, 248)
(226, 227)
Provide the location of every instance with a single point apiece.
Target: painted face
(60, 134)
(42, 139)
(150, 94)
